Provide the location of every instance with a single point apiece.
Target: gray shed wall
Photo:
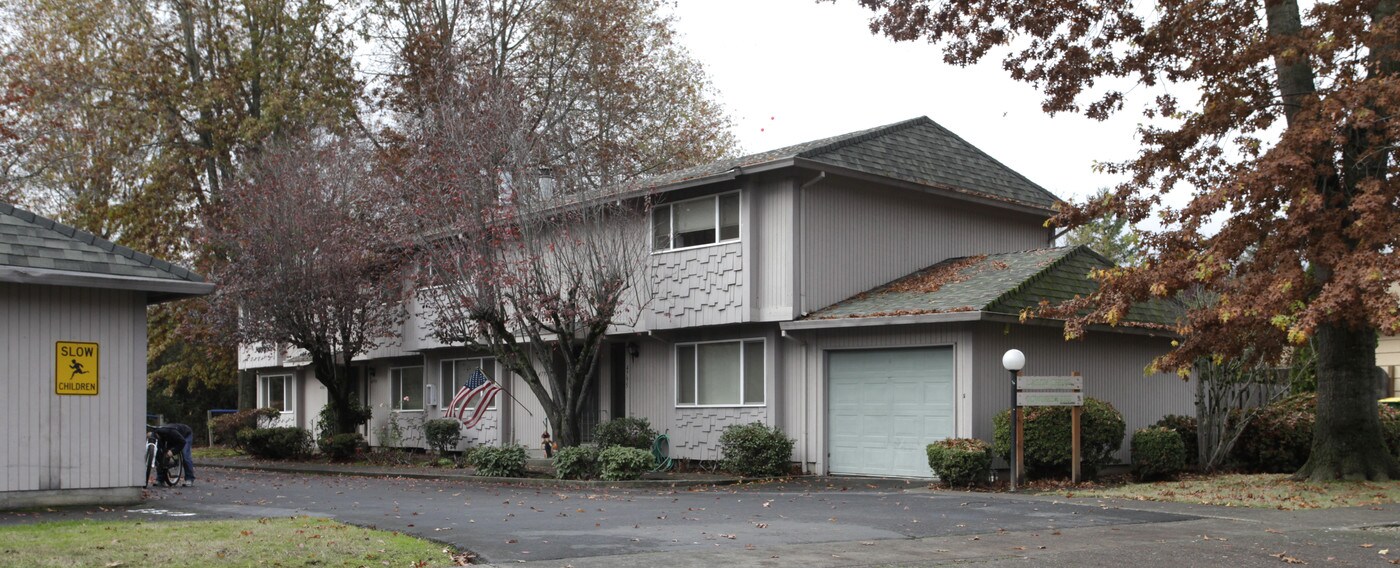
(56, 442)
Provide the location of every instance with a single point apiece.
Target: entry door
(884, 406)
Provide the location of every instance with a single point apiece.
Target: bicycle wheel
(150, 463)
(174, 469)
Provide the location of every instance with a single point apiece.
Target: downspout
(806, 438)
(798, 250)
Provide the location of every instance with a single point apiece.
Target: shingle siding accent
(697, 287)
(695, 432)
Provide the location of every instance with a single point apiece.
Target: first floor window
(273, 391)
(406, 388)
(457, 372)
(721, 373)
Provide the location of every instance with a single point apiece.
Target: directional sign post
(1056, 391)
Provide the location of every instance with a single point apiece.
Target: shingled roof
(996, 283)
(36, 250)
(918, 150)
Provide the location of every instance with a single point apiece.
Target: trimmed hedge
(621, 463)
(343, 446)
(626, 431)
(1279, 439)
(1185, 427)
(500, 461)
(755, 450)
(442, 434)
(276, 443)
(1048, 437)
(1158, 453)
(578, 462)
(960, 461)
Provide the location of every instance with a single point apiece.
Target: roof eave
(158, 289)
(923, 187)
(849, 322)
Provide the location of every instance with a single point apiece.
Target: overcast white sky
(795, 70)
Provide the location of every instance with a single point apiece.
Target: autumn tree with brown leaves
(313, 260)
(1281, 124)
(521, 256)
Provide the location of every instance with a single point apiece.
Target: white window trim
(671, 210)
(395, 402)
(287, 391)
(447, 394)
(676, 372)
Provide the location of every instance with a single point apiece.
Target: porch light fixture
(1013, 360)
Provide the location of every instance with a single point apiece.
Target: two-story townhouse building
(856, 291)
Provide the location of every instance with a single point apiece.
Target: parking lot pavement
(808, 522)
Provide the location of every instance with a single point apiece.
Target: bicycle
(168, 465)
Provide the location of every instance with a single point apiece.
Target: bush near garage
(500, 461)
(1048, 438)
(1158, 453)
(626, 431)
(276, 443)
(226, 427)
(578, 462)
(960, 462)
(755, 450)
(1185, 427)
(1279, 438)
(620, 463)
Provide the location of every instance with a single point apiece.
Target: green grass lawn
(301, 541)
(1264, 491)
(215, 452)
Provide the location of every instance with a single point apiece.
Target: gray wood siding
(855, 236)
(1112, 365)
(71, 442)
(770, 259)
(697, 287)
(804, 377)
(694, 432)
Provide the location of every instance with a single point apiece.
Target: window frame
(449, 393)
(264, 390)
(396, 401)
(671, 216)
(676, 373)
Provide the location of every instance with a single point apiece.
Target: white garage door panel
(885, 405)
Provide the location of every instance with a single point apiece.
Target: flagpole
(517, 401)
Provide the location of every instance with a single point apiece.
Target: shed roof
(995, 283)
(37, 250)
(918, 150)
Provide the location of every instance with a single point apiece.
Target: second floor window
(406, 388)
(695, 222)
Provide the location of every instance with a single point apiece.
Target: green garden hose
(661, 449)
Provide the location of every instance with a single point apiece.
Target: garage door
(884, 406)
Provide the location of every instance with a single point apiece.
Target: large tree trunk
(336, 379)
(1347, 440)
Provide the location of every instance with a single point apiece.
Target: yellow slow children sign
(75, 368)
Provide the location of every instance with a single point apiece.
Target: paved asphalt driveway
(819, 522)
(511, 524)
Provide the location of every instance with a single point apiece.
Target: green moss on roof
(998, 283)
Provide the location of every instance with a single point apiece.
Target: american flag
(479, 387)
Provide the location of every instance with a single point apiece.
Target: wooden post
(1020, 444)
(1075, 413)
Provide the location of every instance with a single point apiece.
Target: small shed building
(73, 361)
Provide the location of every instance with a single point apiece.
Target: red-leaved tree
(1280, 122)
(313, 259)
(520, 255)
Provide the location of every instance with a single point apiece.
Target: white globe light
(1013, 360)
